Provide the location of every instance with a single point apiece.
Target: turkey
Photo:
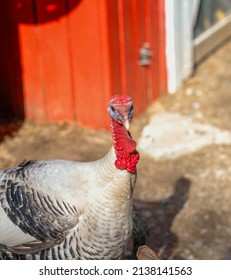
(60, 209)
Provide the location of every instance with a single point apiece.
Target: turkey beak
(127, 124)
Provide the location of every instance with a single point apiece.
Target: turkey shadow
(153, 221)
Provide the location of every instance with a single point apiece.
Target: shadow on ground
(158, 217)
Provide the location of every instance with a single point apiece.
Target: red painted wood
(11, 105)
(142, 22)
(5, 90)
(30, 58)
(70, 56)
(121, 31)
(162, 44)
(139, 73)
(110, 66)
(90, 62)
(110, 24)
(156, 32)
(54, 48)
(135, 78)
(151, 34)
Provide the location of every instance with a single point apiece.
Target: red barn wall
(67, 57)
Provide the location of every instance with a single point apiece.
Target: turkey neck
(125, 148)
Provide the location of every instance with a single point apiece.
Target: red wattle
(125, 148)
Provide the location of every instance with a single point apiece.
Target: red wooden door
(142, 22)
(106, 38)
(72, 55)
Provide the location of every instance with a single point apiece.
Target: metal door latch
(145, 55)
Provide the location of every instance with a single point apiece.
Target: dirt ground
(185, 201)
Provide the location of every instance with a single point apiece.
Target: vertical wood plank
(110, 65)
(30, 56)
(54, 47)
(91, 72)
(156, 32)
(162, 47)
(5, 88)
(110, 25)
(122, 45)
(139, 72)
(151, 34)
(10, 69)
(132, 35)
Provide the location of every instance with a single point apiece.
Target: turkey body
(59, 209)
(42, 206)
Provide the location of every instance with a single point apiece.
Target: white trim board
(180, 18)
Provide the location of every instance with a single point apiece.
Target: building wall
(71, 56)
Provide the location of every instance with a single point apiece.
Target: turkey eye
(113, 109)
